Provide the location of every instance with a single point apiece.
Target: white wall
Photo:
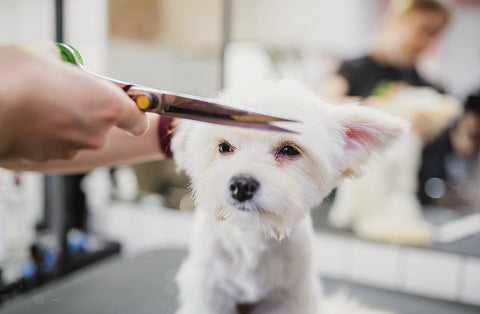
(162, 67)
(458, 63)
(26, 20)
(86, 28)
(342, 27)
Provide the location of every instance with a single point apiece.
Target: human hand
(50, 109)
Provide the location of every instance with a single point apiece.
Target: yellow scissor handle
(146, 101)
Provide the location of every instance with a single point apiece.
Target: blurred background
(53, 225)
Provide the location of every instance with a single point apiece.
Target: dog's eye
(288, 151)
(225, 148)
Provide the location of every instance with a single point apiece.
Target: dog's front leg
(302, 298)
(199, 294)
(195, 305)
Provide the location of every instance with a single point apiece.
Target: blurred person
(407, 30)
(448, 174)
(383, 205)
(51, 109)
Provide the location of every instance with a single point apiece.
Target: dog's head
(268, 181)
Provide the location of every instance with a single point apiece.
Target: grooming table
(144, 284)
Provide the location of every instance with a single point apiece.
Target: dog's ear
(182, 130)
(367, 132)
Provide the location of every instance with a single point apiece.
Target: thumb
(132, 119)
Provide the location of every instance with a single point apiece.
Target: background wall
(180, 50)
(457, 62)
(183, 49)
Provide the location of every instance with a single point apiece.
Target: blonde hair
(407, 6)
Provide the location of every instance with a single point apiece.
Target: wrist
(5, 129)
(10, 97)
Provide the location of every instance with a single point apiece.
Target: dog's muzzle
(243, 187)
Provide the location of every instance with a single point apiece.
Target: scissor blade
(208, 111)
(203, 109)
(206, 107)
(235, 123)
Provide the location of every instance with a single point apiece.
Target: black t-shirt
(445, 178)
(433, 165)
(364, 75)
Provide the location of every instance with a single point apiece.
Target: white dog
(251, 246)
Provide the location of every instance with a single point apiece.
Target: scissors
(181, 105)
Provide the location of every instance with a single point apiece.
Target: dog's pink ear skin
(367, 133)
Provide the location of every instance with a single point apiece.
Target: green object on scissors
(181, 105)
(70, 54)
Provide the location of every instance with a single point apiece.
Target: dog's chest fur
(249, 266)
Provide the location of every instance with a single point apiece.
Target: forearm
(10, 104)
(120, 148)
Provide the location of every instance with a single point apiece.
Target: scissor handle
(144, 102)
(69, 54)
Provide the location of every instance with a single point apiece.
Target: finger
(106, 97)
(132, 119)
(109, 103)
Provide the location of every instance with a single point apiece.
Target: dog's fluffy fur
(255, 256)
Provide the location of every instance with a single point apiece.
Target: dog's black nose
(242, 188)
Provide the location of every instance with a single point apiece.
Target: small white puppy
(251, 244)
